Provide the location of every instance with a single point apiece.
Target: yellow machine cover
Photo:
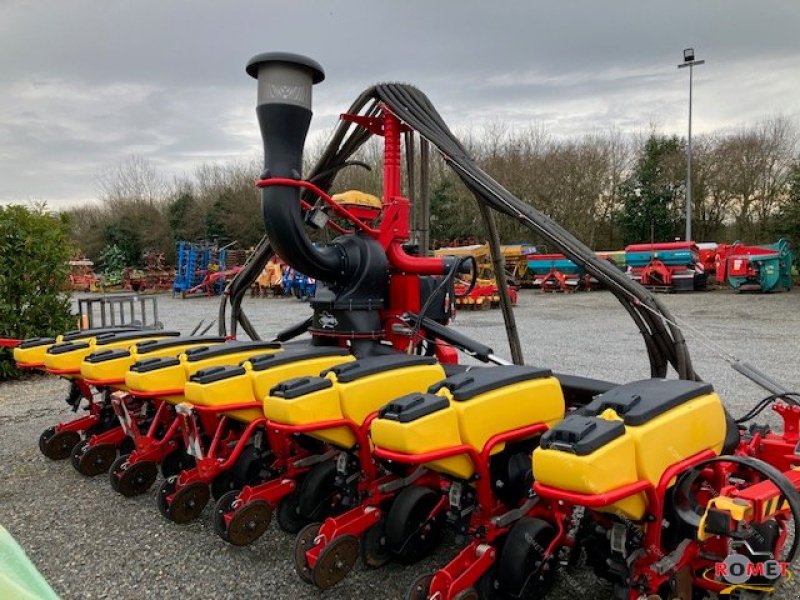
(31, 352)
(631, 433)
(252, 380)
(352, 390)
(66, 357)
(469, 409)
(108, 366)
(170, 374)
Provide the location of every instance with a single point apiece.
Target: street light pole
(689, 61)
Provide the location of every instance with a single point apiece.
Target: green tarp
(19, 579)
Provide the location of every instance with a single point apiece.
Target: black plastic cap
(318, 73)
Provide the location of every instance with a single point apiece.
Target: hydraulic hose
(664, 342)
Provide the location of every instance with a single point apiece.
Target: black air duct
(284, 114)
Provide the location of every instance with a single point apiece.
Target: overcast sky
(86, 83)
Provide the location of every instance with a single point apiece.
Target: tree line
(609, 188)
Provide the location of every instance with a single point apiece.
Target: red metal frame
(147, 446)
(469, 563)
(480, 460)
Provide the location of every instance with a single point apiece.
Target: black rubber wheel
(222, 484)
(77, 452)
(45, 437)
(166, 488)
(523, 571)
(302, 543)
(116, 467)
(223, 506)
(187, 502)
(288, 514)
(175, 462)
(317, 493)
(418, 590)
(409, 535)
(335, 561)
(93, 460)
(249, 522)
(374, 553)
(132, 479)
(58, 446)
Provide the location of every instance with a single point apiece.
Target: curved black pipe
(284, 114)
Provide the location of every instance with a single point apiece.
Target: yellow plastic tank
(669, 420)
(655, 423)
(31, 352)
(469, 408)
(352, 390)
(65, 358)
(108, 366)
(590, 455)
(252, 380)
(168, 375)
(418, 423)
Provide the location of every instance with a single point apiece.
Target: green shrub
(33, 276)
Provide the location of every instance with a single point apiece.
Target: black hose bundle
(663, 339)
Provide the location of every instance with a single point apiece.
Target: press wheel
(302, 543)
(410, 535)
(175, 462)
(58, 445)
(186, 503)
(335, 561)
(249, 522)
(132, 479)
(374, 552)
(222, 484)
(317, 493)
(288, 514)
(93, 460)
(223, 506)
(418, 590)
(523, 570)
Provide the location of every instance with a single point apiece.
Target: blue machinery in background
(194, 261)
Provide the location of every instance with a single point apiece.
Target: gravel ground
(91, 543)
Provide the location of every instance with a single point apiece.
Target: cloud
(84, 84)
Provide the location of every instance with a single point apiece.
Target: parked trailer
(666, 266)
(756, 268)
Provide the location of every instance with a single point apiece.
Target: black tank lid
(80, 334)
(582, 435)
(65, 347)
(371, 365)
(290, 355)
(34, 342)
(412, 407)
(106, 355)
(155, 345)
(108, 338)
(204, 352)
(299, 386)
(640, 401)
(152, 364)
(212, 374)
(467, 385)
